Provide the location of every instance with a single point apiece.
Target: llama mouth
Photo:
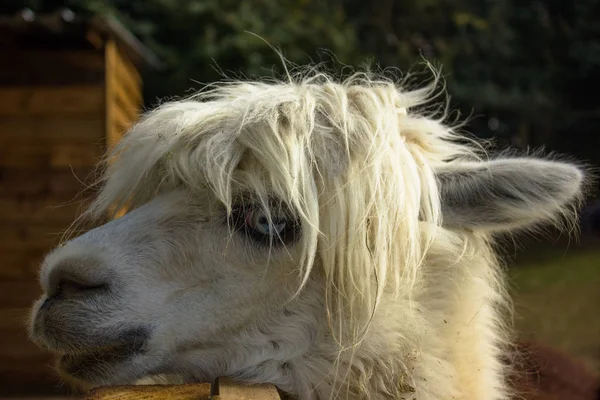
(90, 366)
(99, 364)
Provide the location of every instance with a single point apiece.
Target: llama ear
(507, 193)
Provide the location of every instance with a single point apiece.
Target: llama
(331, 237)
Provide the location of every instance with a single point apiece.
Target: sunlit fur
(394, 298)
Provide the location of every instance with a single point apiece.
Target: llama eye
(254, 222)
(257, 221)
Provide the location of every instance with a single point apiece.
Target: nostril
(68, 287)
(74, 275)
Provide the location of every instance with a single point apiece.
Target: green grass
(557, 302)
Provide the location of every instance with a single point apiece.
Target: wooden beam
(152, 392)
(229, 390)
(224, 390)
(51, 100)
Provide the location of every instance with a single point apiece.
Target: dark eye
(258, 221)
(255, 223)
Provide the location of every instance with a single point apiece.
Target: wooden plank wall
(50, 138)
(51, 67)
(52, 133)
(123, 94)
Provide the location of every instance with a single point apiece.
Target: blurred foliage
(525, 66)
(522, 69)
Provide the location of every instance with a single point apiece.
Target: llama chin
(326, 237)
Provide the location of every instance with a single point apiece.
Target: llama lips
(94, 364)
(90, 366)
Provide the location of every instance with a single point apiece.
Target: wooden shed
(69, 88)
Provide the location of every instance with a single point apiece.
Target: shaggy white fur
(368, 273)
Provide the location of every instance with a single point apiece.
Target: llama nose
(69, 279)
(70, 286)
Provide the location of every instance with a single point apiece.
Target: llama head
(265, 218)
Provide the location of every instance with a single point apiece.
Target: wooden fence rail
(223, 389)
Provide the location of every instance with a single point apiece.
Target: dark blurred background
(523, 71)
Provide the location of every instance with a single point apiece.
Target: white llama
(322, 236)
